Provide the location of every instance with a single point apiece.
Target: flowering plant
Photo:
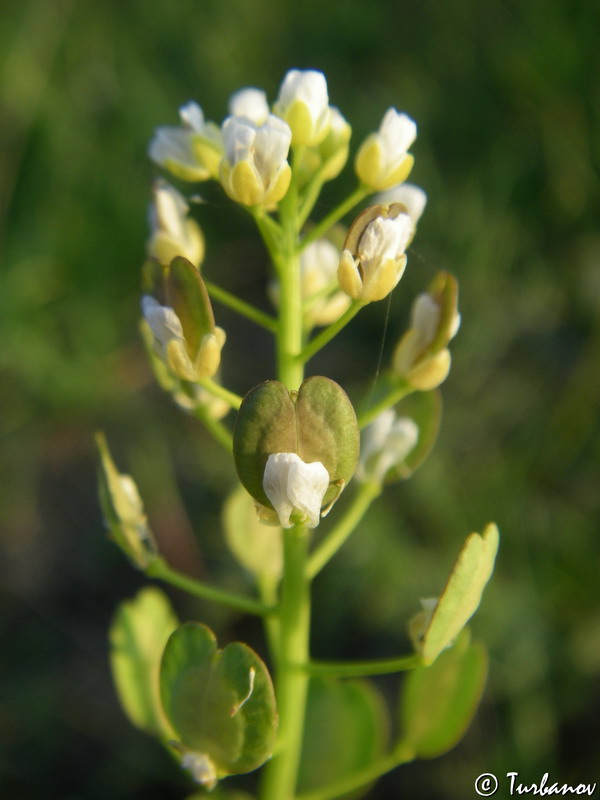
(295, 444)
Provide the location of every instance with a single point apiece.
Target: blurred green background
(507, 99)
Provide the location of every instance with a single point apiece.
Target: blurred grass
(506, 95)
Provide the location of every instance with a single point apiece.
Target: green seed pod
(317, 423)
(220, 704)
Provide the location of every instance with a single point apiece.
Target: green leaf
(257, 547)
(138, 635)
(433, 632)
(438, 702)
(346, 729)
(220, 702)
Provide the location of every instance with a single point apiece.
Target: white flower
(250, 103)
(387, 441)
(303, 103)
(255, 170)
(202, 768)
(293, 485)
(166, 329)
(190, 151)
(318, 268)
(172, 232)
(422, 356)
(412, 197)
(379, 262)
(383, 159)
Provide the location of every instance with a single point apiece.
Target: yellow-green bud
(373, 259)
(304, 104)
(383, 159)
(123, 510)
(422, 356)
(191, 151)
(173, 233)
(254, 170)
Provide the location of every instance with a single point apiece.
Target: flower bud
(318, 269)
(255, 170)
(422, 356)
(181, 320)
(279, 437)
(173, 232)
(123, 510)
(328, 158)
(373, 258)
(383, 159)
(387, 442)
(191, 151)
(304, 104)
(250, 103)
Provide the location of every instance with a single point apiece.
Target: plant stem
(245, 309)
(337, 536)
(292, 684)
(359, 669)
(234, 400)
(401, 754)
(328, 333)
(386, 402)
(158, 568)
(335, 215)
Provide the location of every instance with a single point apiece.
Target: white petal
(426, 315)
(411, 196)
(309, 86)
(290, 484)
(275, 483)
(307, 484)
(397, 132)
(192, 116)
(250, 103)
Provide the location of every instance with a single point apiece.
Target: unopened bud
(373, 259)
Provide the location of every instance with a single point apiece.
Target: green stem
(234, 400)
(337, 536)
(269, 230)
(215, 427)
(292, 684)
(401, 754)
(241, 307)
(386, 402)
(359, 669)
(158, 568)
(335, 215)
(327, 334)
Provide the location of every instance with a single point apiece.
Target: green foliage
(346, 729)
(438, 702)
(138, 634)
(256, 546)
(220, 703)
(433, 632)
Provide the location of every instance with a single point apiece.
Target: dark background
(507, 98)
